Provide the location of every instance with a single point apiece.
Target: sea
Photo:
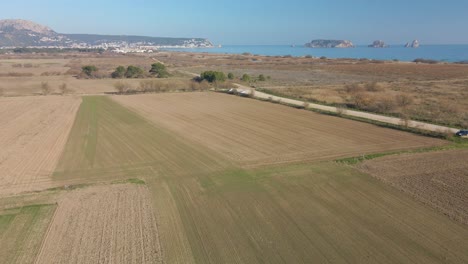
(444, 53)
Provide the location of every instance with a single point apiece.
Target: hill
(22, 33)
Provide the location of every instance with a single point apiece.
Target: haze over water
(447, 53)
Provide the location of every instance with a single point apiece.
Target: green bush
(159, 70)
(213, 76)
(261, 78)
(134, 72)
(245, 77)
(89, 70)
(119, 72)
(230, 76)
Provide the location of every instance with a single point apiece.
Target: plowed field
(33, 132)
(439, 179)
(257, 133)
(103, 224)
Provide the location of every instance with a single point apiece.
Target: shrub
(362, 100)
(245, 77)
(213, 76)
(323, 58)
(89, 70)
(308, 56)
(134, 72)
(353, 88)
(122, 87)
(51, 73)
(384, 105)
(16, 74)
(158, 69)
(403, 100)
(230, 76)
(119, 73)
(45, 88)
(261, 78)
(63, 88)
(373, 87)
(150, 86)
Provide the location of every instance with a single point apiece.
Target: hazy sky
(255, 22)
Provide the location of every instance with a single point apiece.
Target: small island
(414, 44)
(378, 44)
(324, 43)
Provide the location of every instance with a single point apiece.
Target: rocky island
(378, 44)
(414, 44)
(324, 43)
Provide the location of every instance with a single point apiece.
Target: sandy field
(259, 133)
(33, 133)
(439, 179)
(103, 224)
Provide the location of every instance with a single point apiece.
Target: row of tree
(158, 70)
(216, 76)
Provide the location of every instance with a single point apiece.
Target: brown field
(259, 133)
(439, 92)
(213, 178)
(439, 179)
(33, 133)
(103, 224)
(432, 92)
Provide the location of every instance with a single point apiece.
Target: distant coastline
(443, 53)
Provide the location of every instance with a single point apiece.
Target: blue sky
(255, 22)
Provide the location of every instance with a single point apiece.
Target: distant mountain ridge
(22, 33)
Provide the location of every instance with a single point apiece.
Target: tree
(159, 70)
(230, 76)
(213, 76)
(133, 72)
(119, 72)
(89, 70)
(245, 77)
(261, 78)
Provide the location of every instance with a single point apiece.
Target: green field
(22, 231)
(210, 211)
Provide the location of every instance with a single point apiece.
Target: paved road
(380, 118)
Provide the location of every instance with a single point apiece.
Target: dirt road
(380, 118)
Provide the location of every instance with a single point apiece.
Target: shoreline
(452, 53)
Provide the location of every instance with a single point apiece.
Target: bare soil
(439, 179)
(103, 224)
(33, 133)
(260, 133)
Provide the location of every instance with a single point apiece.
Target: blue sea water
(447, 53)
